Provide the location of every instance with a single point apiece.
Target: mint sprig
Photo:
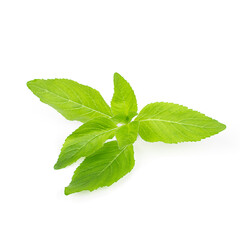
(106, 163)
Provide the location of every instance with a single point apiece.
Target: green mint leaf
(73, 100)
(173, 123)
(124, 103)
(106, 163)
(85, 140)
(102, 168)
(127, 134)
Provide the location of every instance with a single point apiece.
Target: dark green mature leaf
(102, 168)
(73, 100)
(124, 103)
(173, 123)
(127, 134)
(85, 140)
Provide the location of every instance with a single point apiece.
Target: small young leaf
(85, 140)
(124, 103)
(73, 100)
(173, 123)
(127, 134)
(102, 168)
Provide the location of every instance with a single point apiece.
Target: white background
(186, 52)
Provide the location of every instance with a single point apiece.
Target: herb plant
(106, 163)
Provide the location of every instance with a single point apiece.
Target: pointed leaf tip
(116, 74)
(56, 167)
(66, 191)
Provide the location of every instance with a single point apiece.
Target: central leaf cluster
(104, 163)
(107, 162)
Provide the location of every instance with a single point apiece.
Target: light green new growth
(127, 134)
(124, 102)
(106, 163)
